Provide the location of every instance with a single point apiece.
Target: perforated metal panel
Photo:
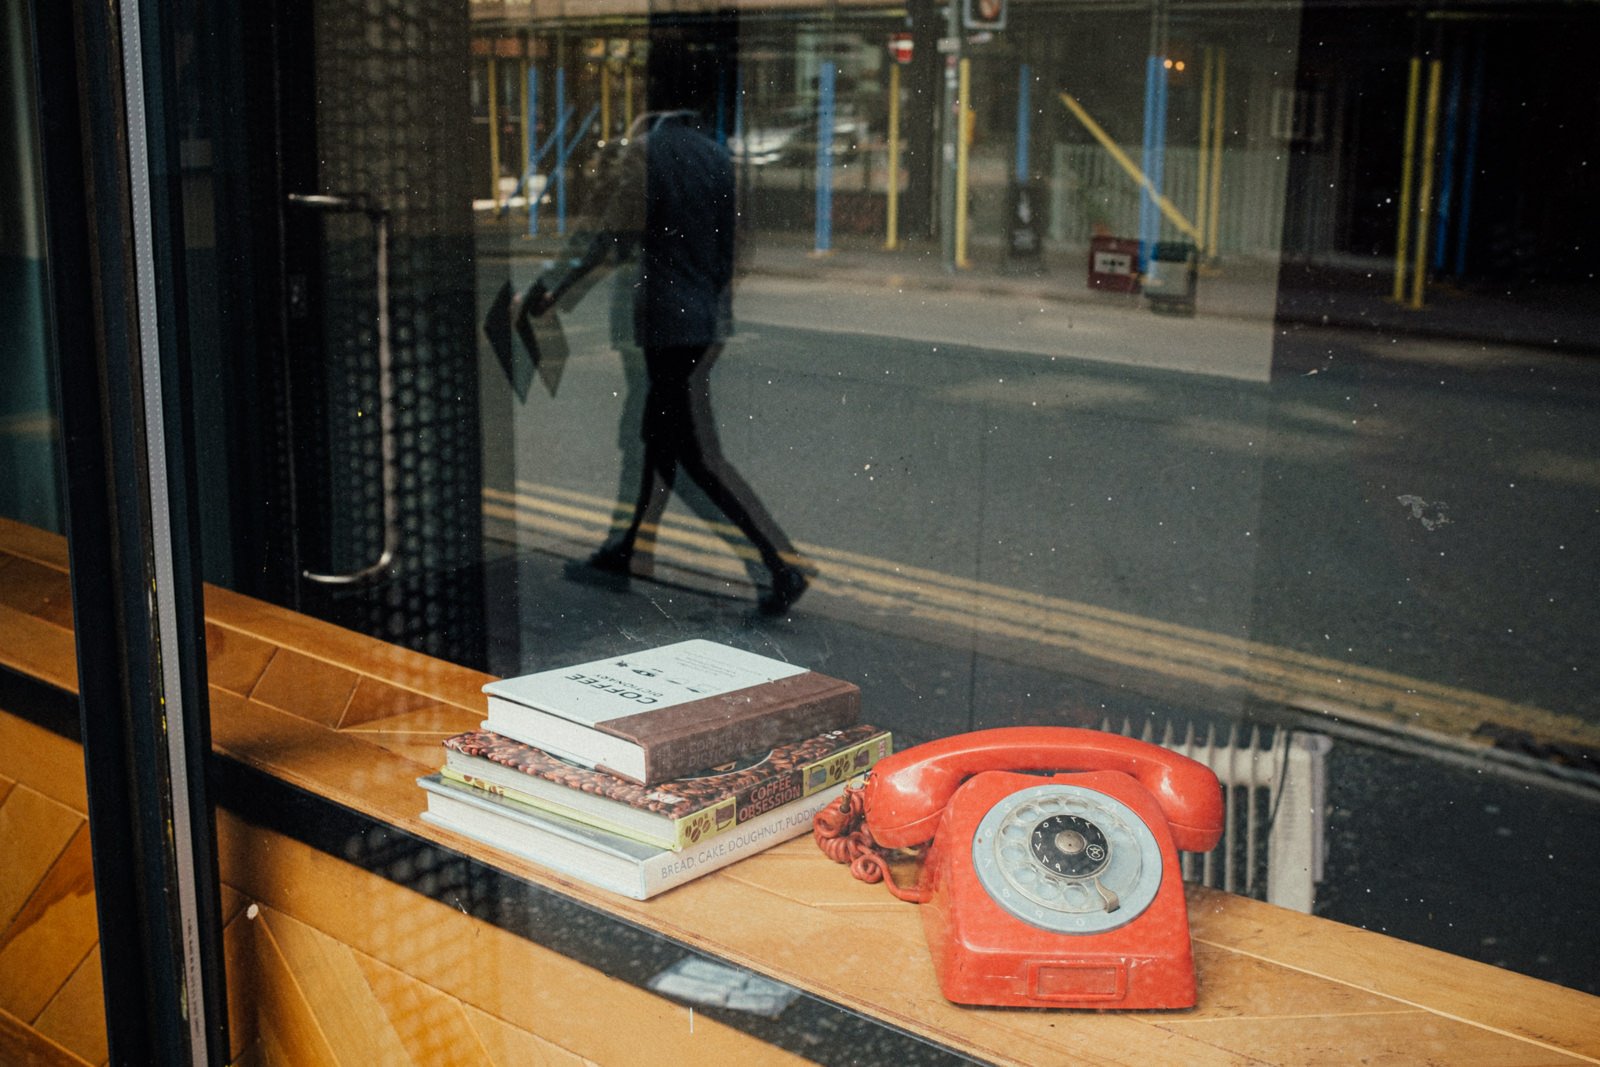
(392, 116)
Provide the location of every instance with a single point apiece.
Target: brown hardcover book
(675, 814)
(667, 712)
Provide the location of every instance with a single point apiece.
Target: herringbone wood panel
(49, 968)
(427, 984)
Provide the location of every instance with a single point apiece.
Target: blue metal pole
(1144, 154)
(583, 128)
(1155, 138)
(1024, 114)
(1469, 169)
(825, 158)
(1158, 169)
(1447, 183)
(561, 153)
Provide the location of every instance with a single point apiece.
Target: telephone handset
(1041, 891)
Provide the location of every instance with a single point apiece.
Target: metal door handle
(361, 203)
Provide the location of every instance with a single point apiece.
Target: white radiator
(1274, 782)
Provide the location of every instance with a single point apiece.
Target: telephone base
(1139, 955)
(1109, 983)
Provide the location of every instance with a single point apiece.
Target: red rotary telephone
(1041, 891)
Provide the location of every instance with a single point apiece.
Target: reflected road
(1329, 538)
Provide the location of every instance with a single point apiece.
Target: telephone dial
(1055, 889)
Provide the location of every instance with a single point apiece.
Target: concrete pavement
(1242, 304)
(1352, 293)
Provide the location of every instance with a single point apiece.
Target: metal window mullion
(113, 261)
(164, 599)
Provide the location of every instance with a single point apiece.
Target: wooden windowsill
(356, 721)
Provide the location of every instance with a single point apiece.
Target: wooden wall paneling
(425, 750)
(1494, 999)
(279, 1013)
(75, 1017)
(47, 914)
(1411, 1037)
(343, 767)
(239, 949)
(418, 735)
(231, 902)
(392, 664)
(47, 763)
(310, 688)
(235, 662)
(38, 649)
(37, 590)
(23, 1046)
(34, 831)
(30, 542)
(525, 985)
(335, 992)
(375, 700)
(43, 761)
(1233, 986)
(791, 870)
(506, 1046)
(51, 935)
(437, 720)
(433, 1027)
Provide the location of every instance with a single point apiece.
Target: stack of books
(644, 771)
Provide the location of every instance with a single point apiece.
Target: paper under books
(609, 861)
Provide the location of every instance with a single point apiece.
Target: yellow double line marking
(1274, 675)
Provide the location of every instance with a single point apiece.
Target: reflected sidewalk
(1350, 294)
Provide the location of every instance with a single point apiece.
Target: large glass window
(1218, 372)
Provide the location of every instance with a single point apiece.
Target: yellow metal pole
(1219, 97)
(527, 115)
(605, 99)
(893, 238)
(1115, 151)
(627, 97)
(494, 132)
(1430, 132)
(1408, 149)
(1202, 191)
(963, 142)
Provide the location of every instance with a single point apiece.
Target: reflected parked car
(790, 137)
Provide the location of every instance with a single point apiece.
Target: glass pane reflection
(1190, 364)
(30, 492)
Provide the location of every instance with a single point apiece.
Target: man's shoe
(788, 584)
(612, 559)
(609, 567)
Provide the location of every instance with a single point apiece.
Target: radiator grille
(1275, 787)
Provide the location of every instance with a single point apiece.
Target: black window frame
(109, 155)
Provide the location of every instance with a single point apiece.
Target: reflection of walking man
(675, 198)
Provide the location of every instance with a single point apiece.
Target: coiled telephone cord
(839, 833)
